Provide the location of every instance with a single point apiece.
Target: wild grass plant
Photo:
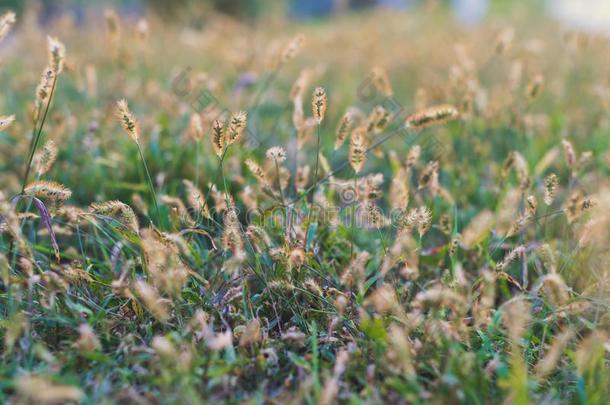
(376, 208)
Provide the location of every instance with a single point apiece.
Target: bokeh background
(589, 15)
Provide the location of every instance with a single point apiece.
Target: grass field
(375, 207)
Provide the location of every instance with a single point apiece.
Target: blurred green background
(469, 11)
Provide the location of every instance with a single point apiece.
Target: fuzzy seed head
(432, 116)
(550, 188)
(48, 190)
(128, 121)
(569, 153)
(276, 153)
(47, 80)
(218, 137)
(237, 126)
(46, 157)
(7, 21)
(196, 199)
(343, 129)
(57, 54)
(357, 149)
(152, 300)
(119, 210)
(257, 171)
(318, 104)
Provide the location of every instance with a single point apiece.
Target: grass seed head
(46, 157)
(555, 289)
(218, 137)
(343, 129)
(48, 190)
(318, 104)
(276, 153)
(128, 121)
(236, 128)
(357, 149)
(7, 21)
(257, 171)
(569, 153)
(195, 198)
(550, 188)
(432, 116)
(152, 300)
(57, 54)
(119, 210)
(45, 86)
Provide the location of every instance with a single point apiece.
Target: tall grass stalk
(36, 139)
(315, 179)
(149, 181)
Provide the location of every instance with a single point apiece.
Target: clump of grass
(449, 253)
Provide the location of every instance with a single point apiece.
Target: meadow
(376, 207)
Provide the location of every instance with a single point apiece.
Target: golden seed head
(237, 126)
(47, 79)
(431, 116)
(343, 129)
(119, 210)
(377, 120)
(568, 150)
(48, 190)
(532, 204)
(276, 153)
(357, 149)
(152, 300)
(413, 156)
(46, 158)
(196, 199)
(257, 171)
(550, 188)
(374, 214)
(555, 289)
(231, 238)
(318, 104)
(422, 218)
(57, 54)
(218, 137)
(128, 121)
(428, 174)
